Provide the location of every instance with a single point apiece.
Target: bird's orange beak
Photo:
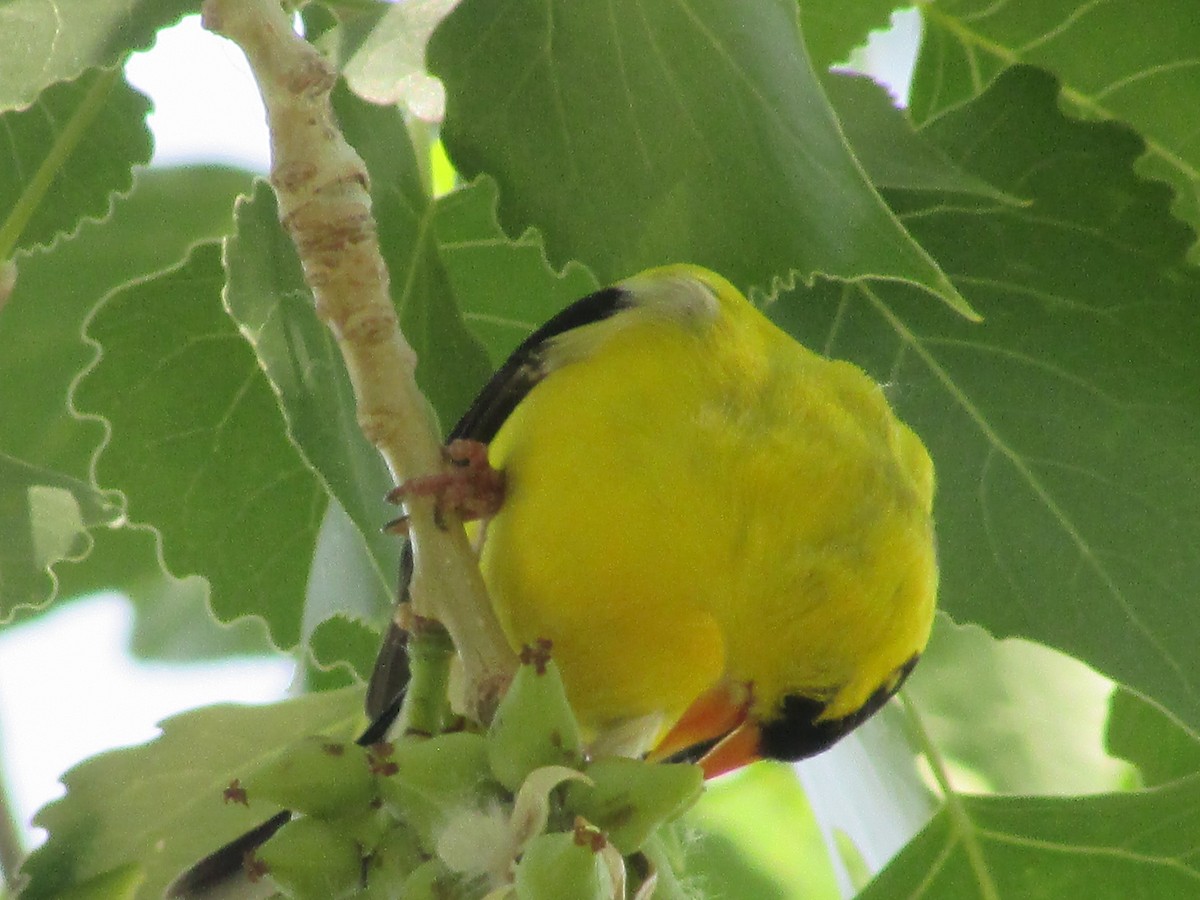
(719, 719)
(738, 748)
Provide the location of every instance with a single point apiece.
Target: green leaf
(120, 883)
(149, 230)
(346, 602)
(1142, 733)
(197, 444)
(41, 43)
(44, 517)
(168, 210)
(345, 650)
(1141, 844)
(1113, 61)
(67, 155)
(451, 363)
(1012, 716)
(634, 135)
(271, 303)
(381, 54)
(832, 28)
(1066, 427)
(506, 287)
(161, 804)
(892, 154)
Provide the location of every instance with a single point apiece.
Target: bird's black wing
(389, 678)
(511, 383)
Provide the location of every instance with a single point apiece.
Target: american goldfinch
(727, 537)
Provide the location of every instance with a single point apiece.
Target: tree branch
(324, 203)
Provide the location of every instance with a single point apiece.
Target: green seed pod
(308, 859)
(400, 849)
(432, 778)
(396, 856)
(433, 881)
(382, 885)
(563, 866)
(316, 776)
(367, 825)
(629, 798)
(534, 725)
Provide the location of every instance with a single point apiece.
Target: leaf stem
(425, 709)
(325, 205)
(422, 136)
(960, 820)
(64, 145)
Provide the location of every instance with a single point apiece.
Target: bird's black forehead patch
(798, 731)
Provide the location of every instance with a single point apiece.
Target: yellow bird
(727, 537)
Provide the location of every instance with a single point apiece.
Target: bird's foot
(471, 489)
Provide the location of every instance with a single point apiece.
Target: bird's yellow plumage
(727, 537)
(696, 502)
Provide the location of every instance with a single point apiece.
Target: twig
(324, 204)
